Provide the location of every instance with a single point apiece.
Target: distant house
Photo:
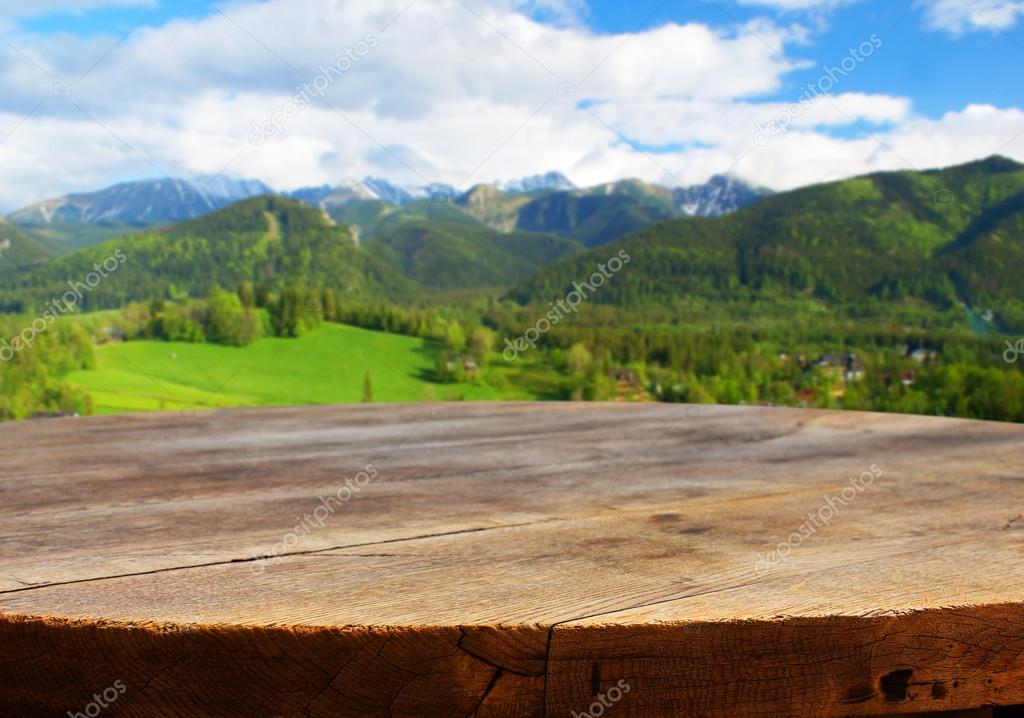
(908, 378)
(626, 377)
(831, 361)
(923, 356)
(854, 370)
(847, 367)
(629, 385)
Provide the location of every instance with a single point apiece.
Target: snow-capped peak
(548, 181)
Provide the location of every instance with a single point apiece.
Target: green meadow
(328, 365)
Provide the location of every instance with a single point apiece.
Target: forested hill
(18, 250)
(276, 241)
(267, 240)
(930, 238)
(453, 254)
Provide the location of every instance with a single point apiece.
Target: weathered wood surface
(511, 560)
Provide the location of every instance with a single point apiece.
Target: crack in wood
(311, 552)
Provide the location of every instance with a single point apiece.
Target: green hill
(328, 365)
(928, 238)
(442, 245)
(455, 254)
(599, 215)
(275, 241)
(67, 238)
(361, 214)
(421, 211)
(18, 250)
(492, 206)
(375, 218)
(269, 240)
(590, 216)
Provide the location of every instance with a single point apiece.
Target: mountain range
(141, 202)
(63, 224)
(929, 242)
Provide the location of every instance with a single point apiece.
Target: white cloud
(444, 87)
(736, 123)
(884, 135)
(953, 16)
(800, 157)
(960, 16)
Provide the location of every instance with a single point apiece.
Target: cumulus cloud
(958, 16)
(445, 94)
(696, 121)
(443, 90)
(802, 157)
(953, 16)
(832, 138)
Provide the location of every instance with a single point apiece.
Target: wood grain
(512, 560)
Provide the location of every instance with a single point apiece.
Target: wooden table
(511, 560)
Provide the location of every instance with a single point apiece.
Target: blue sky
(455, 89)
(114, 20)
(939, 70)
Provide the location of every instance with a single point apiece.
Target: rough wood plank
(512, 560)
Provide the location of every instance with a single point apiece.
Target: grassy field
(324, 366)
